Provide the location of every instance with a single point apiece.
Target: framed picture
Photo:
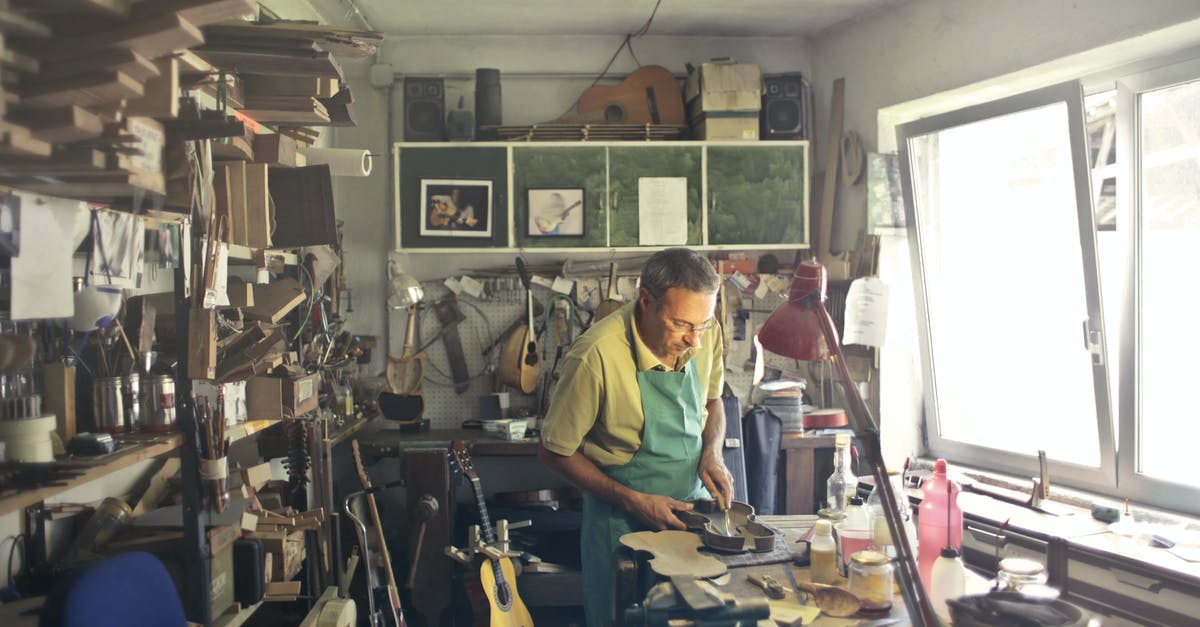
(456, 208)
(555, 211)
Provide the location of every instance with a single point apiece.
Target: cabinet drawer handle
(987, 537)
(1143, 582)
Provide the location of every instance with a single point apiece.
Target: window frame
(1103, 478)
(1132, 484)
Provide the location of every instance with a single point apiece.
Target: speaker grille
(783, 107)
(783, 116)
(424, 109)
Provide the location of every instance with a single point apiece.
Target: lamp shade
(794, 329)
(405, 289)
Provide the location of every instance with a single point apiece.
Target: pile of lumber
(87, 85)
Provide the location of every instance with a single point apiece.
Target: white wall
(929, 56)
(540, 78)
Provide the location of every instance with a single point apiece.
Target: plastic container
(872, 580)
(947, 580)
(842, 484)
(822, 555)
(854, 531)
(939, 508)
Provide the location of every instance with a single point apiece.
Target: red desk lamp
(802, 329)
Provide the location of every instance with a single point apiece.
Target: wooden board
(311, 86)
(65, 161)
(675, 553)
(128, 62)
(836, 266)
(152, 38)
(58, 124)
(275, 300)
(160, 97)
(17, 140)
(282, 64)
(88, 91)
(275, 149)
(237, 202)
(76, 9)
(198, 12)
(16, 24)
(258, 206)
(342, 42)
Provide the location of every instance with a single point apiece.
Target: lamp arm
(920, 610)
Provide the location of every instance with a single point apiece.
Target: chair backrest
(126, 590)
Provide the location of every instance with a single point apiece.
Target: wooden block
(191, 65)
(237, 202)
(17, 140)
(257, 477)
(282, 590)
(160, 98)
(86, 91)
(258, 206)
(236, 149)
(275, 149)
(317, 63)
(140, 318)
(58, 124)
(157, 486)
(249, 522)
(144, 138)
(129, 62)
(198, 12)
(58, 392)
(284, 111)
(202, 344)
(77, 9)
(241, 293)
(18, 61)
(273, 301)
(310, 86)
(152, 38)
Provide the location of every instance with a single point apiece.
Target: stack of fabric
(784, 398)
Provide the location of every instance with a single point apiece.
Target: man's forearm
(713, 434)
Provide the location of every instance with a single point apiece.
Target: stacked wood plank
(588, 132)
(89, 88)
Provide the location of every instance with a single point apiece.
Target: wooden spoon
(832, 600)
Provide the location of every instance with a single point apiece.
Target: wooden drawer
(1130, 591)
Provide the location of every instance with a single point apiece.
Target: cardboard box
(724, 87)
(271, 398)
(727, 126)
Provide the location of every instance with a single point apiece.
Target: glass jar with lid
(1017, 573)
(871, 579)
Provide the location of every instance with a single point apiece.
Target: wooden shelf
(244, 254)
(134, 448)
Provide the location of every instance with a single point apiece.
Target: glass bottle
(842, 483)
(822, 554)
(881, 534)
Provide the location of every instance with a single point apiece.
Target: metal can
(871, 579)
(131, 399)
(108, 407)
(159, 410)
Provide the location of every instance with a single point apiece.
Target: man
(636, 421)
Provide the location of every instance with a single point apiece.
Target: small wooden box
(271, 398)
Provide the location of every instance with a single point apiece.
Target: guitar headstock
(464, 459)
(358, 465)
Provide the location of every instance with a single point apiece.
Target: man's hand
(715, 476)
(657, 512)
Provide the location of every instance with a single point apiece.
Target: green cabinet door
(628, 164)
(453, 197)
(758, 194)
(559, 194)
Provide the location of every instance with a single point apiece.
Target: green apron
(665, 464)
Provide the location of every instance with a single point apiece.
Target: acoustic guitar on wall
(519, 361)
(650, 95)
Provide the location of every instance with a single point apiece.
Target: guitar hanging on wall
(519, 363)
(498, 577)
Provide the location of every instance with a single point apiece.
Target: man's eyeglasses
(686, 328)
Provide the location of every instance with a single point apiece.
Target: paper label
(866, 312)
(562, 286)
(304, 390)
(454, 285)
(471, 286)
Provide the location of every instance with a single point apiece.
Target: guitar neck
(485, 521)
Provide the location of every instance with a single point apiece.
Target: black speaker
(782, 115)
(424, 110)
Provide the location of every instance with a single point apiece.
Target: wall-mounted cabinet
(513, 196)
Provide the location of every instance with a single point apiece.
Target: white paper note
(41, 273)
(866, 312)
(471, 286)
(563, 285)
(454, 285)
(662, 211)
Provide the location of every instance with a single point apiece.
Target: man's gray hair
(679, 267)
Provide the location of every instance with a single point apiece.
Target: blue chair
(126, 590)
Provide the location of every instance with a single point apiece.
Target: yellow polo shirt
(597, 404)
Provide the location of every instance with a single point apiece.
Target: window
(1017, 209)
(1009, 307)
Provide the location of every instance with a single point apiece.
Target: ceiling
(588, 17)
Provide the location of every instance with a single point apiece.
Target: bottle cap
(950, 552)
(824, 528)
(939, 466)
(869, 557)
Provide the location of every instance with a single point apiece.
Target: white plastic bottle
(947, 581)
(822, 554)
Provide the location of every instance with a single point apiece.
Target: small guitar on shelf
(498, 577)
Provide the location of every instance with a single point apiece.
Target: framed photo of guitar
(456, 208)
(556, 212)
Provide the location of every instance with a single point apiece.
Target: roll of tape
(338, 613)
(341, 161)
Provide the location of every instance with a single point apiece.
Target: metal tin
(158, 411)
(131, 399)
(108, 407)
